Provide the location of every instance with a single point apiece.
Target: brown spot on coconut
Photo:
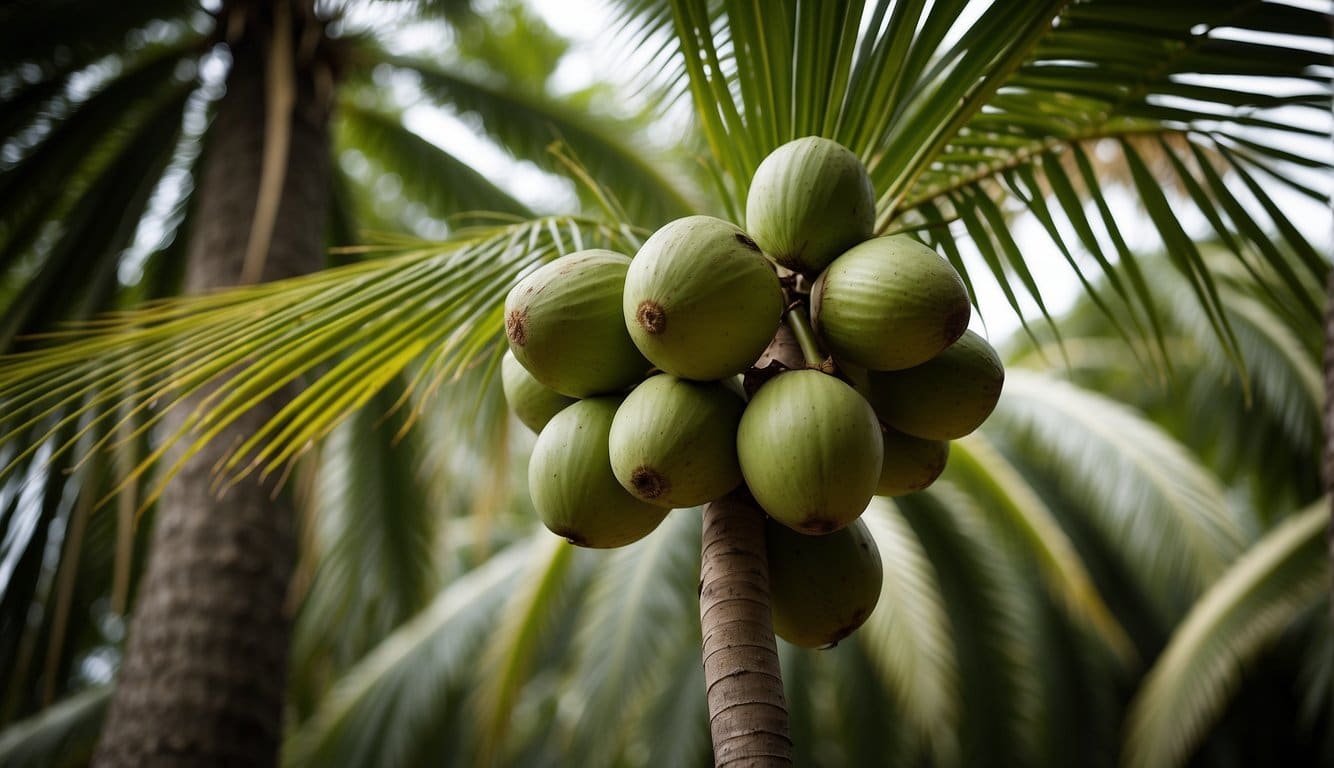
(716, 300)
(572, 485)
(565, 325)
(673, 441)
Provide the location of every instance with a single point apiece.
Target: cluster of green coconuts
(631, 372)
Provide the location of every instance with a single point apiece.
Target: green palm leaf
(35, 188)
(908, 635)
(527, 621)
(374, 541)
(385, 707)
(61, 735)
(528, 124)
(75, 31)
(989, 610)
(1138, 487)
(430, 176)
(1015, 507)
(642, 606)
(96, 231)
(279, 331)
(1284, 574)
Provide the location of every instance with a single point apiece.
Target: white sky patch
(529, 184)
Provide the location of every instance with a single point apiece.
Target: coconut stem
(800, 323)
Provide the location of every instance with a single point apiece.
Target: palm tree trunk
(204, 675)
(747, 711)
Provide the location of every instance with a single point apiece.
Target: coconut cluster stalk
(748, 718)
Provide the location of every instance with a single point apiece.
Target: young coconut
(673, 441)
(701, 301)
(810, 200)
(823, 587)
(533, 402)
(944, 398)
(889, 303)
(810, 450)
(564, 325)
(911, 463)
(573, 488)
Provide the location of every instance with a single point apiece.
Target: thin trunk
(747, 711)
(204, 675)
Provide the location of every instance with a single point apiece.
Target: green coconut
(810, 451)
(944, 398)
(564, 325)
(673, 441)
(701, 301)
(911, 463)
(822, 587)
(533, 402)
(810, 200)
(888, 304)
(572, 485)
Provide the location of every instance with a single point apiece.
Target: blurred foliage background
(1126, 565)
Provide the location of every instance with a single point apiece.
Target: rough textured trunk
(205, 669)
(747, 711)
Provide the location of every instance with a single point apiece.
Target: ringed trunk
(748, 717)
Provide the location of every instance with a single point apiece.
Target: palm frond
(973, 116)
(35, 186)
(33, 504)
(385, 707)
(51, 33)
(677, 716)
(1285, 573)
(1260, 431)
(279, 331)
(61, 735)
(528, 125)
(1137, 486)
(507, 663)
(374, 535)
(643, 604)
(430, 176)
(1017, 509)
(989, 612)
(97, 228)
(908, 635)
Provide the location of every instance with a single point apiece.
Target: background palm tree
(1009, 111)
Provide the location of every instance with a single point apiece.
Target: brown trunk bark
(204, 674)
(747, 711)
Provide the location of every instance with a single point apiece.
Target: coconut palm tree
(1049, 108)
(548, 655)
